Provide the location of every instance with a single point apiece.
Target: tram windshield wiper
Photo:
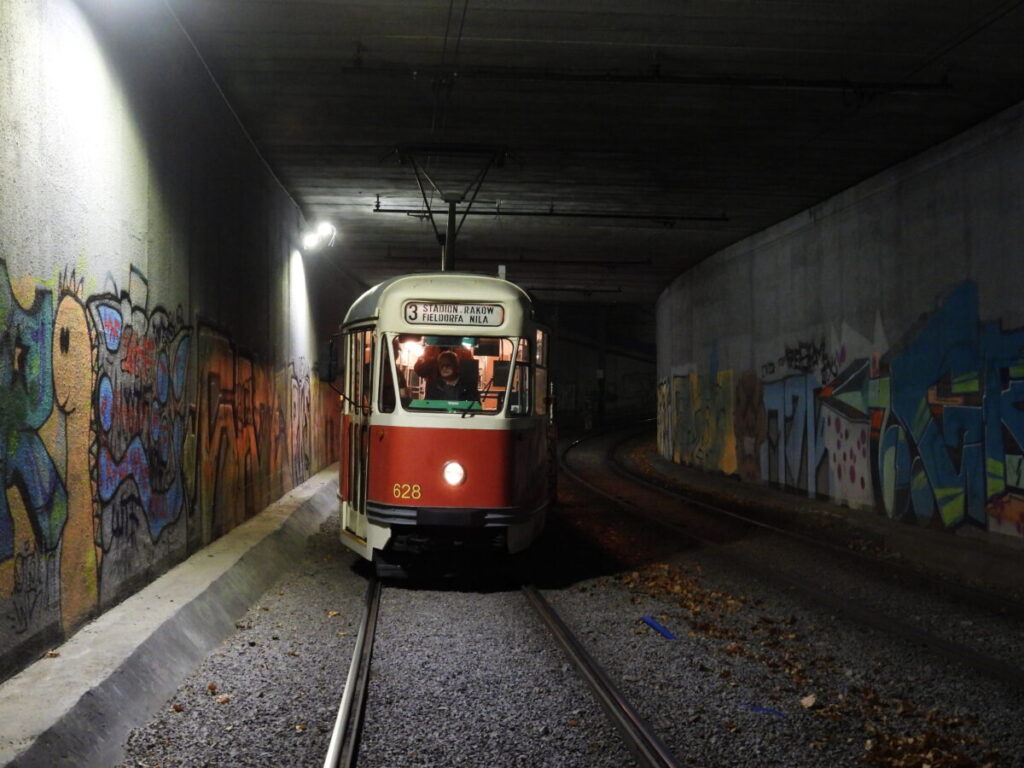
(478, 402)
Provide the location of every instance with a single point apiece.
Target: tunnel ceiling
(621, 142)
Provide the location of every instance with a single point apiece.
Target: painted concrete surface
(157, 347)
(76, 707)
(869, 350)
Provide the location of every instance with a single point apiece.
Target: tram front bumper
(456, 517)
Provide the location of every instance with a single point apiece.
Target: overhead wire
(443, 84)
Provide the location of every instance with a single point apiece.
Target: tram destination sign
(441, 313)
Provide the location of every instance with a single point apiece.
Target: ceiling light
(322, 236)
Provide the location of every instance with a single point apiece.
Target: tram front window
(452, 374)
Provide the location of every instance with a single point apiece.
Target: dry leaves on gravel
(897, 733)
(928, 749)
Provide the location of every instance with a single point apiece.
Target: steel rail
(344, 746)
(852, 609)
(638, 736)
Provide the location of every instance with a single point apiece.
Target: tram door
(358, 351)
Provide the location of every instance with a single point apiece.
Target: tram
(447, 438)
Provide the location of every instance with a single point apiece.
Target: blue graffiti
(161, 507)
(799, 445)
(957, 392)
(111, 325)
(26, 400)
(140, 443)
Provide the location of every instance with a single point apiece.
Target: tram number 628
(407, 491)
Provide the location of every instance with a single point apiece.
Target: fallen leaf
(573, 723)
(223, 699)
(332, 614)
(808, 701)
(211, 689)
(53, 655)
(177, 708)
(300, 727)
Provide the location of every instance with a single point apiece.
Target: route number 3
(407, 491)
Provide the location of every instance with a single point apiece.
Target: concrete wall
(870, 349)
(156, 341)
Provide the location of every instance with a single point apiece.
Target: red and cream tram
(445, 417)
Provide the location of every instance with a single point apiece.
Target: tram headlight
(453, 473)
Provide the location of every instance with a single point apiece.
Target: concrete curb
(114, 673)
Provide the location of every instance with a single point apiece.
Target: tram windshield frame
(491, 371)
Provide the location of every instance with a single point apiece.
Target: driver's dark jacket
(439, 389)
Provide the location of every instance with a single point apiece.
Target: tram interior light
(411, 352)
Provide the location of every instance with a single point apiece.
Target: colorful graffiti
(703, 430)
(794, 451)
(34, 505)
(140, 422)
(846, 434)
(255, 437)
(117, 462)
(241, 438)
(930, 430)
(948, 420)
(93, 396)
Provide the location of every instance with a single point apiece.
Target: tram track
(343, 751)
(852, 609)
(637, 735)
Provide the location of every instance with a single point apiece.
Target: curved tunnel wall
(156, 343)
(871, 349)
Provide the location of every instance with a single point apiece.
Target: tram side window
(519, 392)
(359, 362)
(540, 390)
(387, 384)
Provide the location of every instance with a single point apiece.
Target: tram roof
(440, 286)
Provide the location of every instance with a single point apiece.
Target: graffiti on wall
(118, 458)
(948, 421)
(258, 432)
(750, 424)
(929, 430)
(34, 505)
(664, 424)
(141, 406)
(703, 428)
(846, 431)
(794, 450)
(93, 392)
(241, 439)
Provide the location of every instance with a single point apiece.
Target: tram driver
(448, 384)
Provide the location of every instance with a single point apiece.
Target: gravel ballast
(465, 674)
